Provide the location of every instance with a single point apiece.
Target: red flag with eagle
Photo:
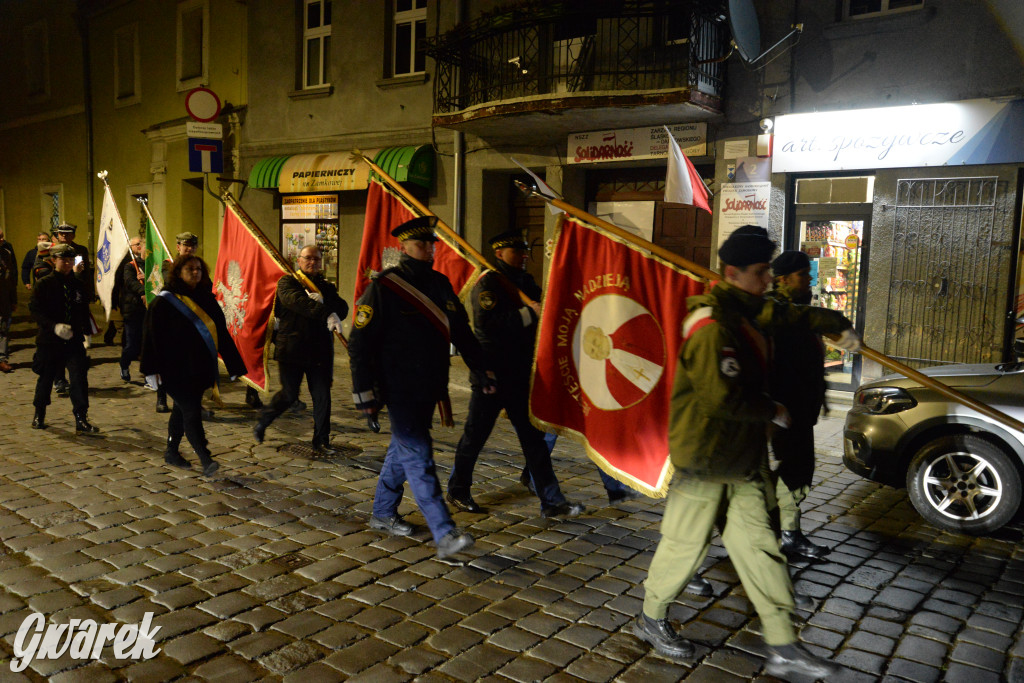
(606, 352)
(245, 284)
(385, 211)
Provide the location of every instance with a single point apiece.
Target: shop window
(193, 44)
(857, 9)
(408, 30)
(127, 84)
(852, 190)
(35, 39)
(316, 44)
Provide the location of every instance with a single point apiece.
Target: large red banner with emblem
(245, 283)
(606, 352)
(385, 211)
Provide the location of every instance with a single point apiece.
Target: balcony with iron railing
(594, 63)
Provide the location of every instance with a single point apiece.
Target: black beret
(790, 262)
(419, 228)
(749, 244)
(512, 238)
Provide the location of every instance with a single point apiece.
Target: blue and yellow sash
(198, 317)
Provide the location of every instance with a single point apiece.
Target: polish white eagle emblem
(232, 300)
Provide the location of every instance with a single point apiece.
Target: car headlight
(883, 400)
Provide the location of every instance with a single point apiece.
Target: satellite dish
(746, 32)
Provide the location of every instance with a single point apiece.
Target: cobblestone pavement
(268, 572)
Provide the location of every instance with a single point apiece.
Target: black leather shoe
(126, 376)
(297, 407)
(623, 495)
(804, 602)
(252, 398)
(396, 526)
(82, 426)
(698, 585)
(795, 544)
(526, 480)
(785, 661)
(39, 419)
(174, 459)
(452, 543)
(662, 637)
(259, 430)
(565, 509)
(326, 450)
(464, 503)
(62, 387)
(161, 407)
(210, 467)
(206, 414)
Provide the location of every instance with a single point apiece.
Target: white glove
(334, 323)
(63, 330)
(153, 381)
(316, 296)
(782, 417)
(849, 340)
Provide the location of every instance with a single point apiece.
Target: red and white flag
(606, 353)
(245, 284)
(385, 211)
(683, 185)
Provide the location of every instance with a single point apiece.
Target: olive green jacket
(721, 404)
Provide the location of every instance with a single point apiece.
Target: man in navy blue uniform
(399, 350)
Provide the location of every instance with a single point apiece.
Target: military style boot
(161, 401)
(208, 464)
(172, 456)
(39, 419)
(82, 425)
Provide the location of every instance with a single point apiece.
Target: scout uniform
(399, 351)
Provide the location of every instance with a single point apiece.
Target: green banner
(155, 257)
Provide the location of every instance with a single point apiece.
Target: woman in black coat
(182, 335)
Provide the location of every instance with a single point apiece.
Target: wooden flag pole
(268, 247)
(865, 350)
(394, 185)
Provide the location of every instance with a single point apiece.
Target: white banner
(111, 246)
(742, 204)
(950, 134)
(636, 143)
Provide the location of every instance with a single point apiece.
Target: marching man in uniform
(719, 416)
(405, 322)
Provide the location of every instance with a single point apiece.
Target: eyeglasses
(314, 259)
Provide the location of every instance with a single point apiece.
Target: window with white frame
(127, 82)
(316, 43)
(193, 44)
(857, 9)
(35, 39)
(409, 28)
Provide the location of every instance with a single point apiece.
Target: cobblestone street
(267, 571)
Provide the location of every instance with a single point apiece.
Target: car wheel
(964, 484)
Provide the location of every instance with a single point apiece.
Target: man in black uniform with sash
(60, 306)
(506, 328)
(399, 350)
(304, 345)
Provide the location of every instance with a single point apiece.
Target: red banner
(245, 284)
(385, 211)
(607, 347)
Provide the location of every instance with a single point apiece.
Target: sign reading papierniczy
(635, 143)
(950, 134)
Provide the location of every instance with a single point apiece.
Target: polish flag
(683, 185)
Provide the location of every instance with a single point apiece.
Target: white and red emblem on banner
(385, 211)
(606, 352)
(245, 284)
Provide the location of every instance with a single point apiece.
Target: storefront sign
(742, 204)
(335, 172)
(956, 133)
(304, 207)
(635, 143)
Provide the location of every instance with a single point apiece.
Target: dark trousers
(5, 332)
(131, 341)
(318, 379)
(186, 420)
(513, 396)
(410, 457)
(49, 363)
(794, 449)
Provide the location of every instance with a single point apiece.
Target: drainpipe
(90, 176)
(459, 182)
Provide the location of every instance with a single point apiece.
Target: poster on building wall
(630, 144)
(742, 204)
(309, 207)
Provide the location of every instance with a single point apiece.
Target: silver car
(962, 470)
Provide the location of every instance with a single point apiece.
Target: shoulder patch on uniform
(696, 320)
(364, 314)
(487, 300)
(729, 366)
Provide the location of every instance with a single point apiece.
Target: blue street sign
(205, 156)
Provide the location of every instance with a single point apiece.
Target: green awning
(413, 164)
